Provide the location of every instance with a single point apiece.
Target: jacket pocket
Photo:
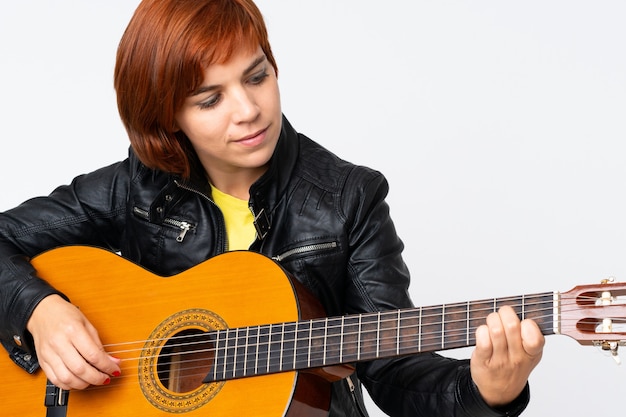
(182, 226)
(307, 249)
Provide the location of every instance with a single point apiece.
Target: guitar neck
(263, 349)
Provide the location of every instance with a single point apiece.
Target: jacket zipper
(354, 397)
(304, 249)
(182, 225)
(256, 216)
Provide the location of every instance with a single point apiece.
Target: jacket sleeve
(425, 384)
(87, 212)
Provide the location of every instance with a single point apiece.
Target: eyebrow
(248, 70)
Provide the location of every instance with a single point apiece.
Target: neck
(236, 183)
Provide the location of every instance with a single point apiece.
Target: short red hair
(161, 60)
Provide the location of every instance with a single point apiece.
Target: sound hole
(185, 360)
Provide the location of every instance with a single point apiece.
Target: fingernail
(107, 381)
(116, 373)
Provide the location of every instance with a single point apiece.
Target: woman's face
(234, 118)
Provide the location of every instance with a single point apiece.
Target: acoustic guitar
(236, 336)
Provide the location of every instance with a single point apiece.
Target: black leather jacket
(324, 219)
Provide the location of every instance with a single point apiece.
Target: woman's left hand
(507, 350)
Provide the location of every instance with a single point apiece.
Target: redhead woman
(214, 167)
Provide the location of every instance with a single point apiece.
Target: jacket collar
(265, 194)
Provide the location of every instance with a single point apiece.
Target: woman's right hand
(68, 346)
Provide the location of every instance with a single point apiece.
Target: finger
(532, 339)
(92, 363)
(59, 375)
(497, 334)
(511, 326)
(80, 371)
(99, 358)
(484, 348)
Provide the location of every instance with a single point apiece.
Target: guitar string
(130, 375)
(434, 335)
(331, 328)
(425, 317)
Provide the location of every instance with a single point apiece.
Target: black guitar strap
(56, 401)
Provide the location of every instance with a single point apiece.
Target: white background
(500, 126)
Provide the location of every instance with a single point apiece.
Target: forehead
(241, 62)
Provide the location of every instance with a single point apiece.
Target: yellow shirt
(240, 230)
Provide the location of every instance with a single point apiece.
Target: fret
(467, 323)
(544, 311)
(224, 349)
(479, 310)
(251, 351)
(295, 346)
(218, 355)
(334, 337)
(302, 348)
(497, 303)
(419, 334)
(263, 350)
(517, 303)
(368, 343)
(388, 334)
(409, 331)
(281, 350)
(351, 339)
(228, 353)
(431, 327)
(317, 343)
(288, 346)
(237, 352)
(325, 340)
(239, 358)
(378, 335)
(443, 326)
(308, 361)
(341, 340)
(256, 349)
(455, 317)
(274, 345)
(245, 352)
(358, 341)
(399, 327)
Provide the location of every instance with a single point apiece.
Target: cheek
(271, 99)
(202, 127)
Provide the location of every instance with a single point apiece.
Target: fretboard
(264, 349)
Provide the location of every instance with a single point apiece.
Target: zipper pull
(184, 226)
(350, 384)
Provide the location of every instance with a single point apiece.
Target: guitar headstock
(594, 314)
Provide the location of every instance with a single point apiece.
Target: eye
(210, 102)
(259, 77)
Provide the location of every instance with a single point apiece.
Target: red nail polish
(107, 381)
(116, 373)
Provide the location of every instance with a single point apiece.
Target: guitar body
(137, 314)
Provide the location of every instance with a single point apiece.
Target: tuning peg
(612, 347)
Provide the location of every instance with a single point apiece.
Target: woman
(215, 167)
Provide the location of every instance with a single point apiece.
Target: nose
(245, 106)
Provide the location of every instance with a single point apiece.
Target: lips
(253, 139)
